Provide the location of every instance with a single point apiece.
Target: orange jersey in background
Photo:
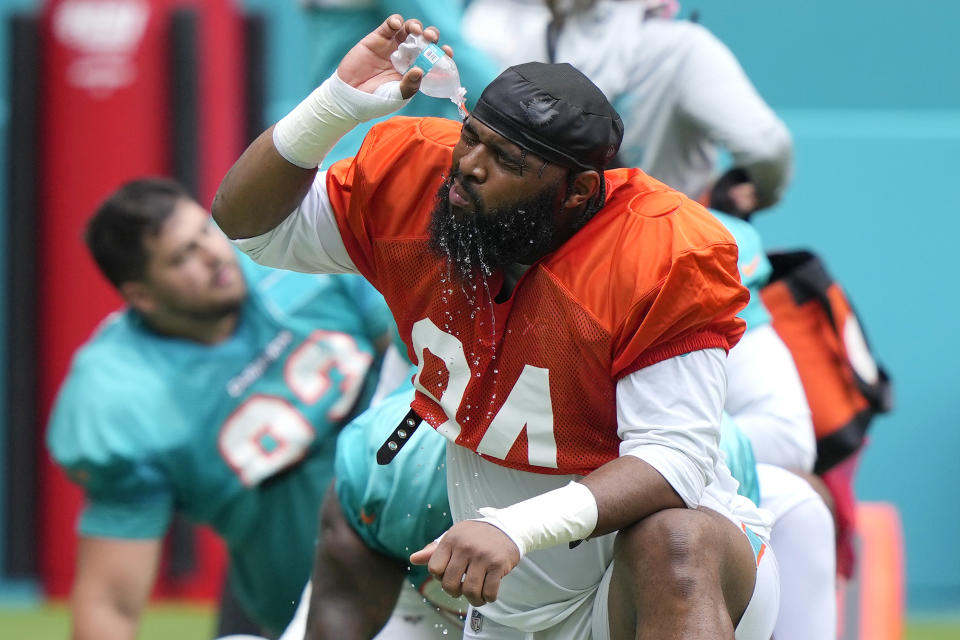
(530, 383)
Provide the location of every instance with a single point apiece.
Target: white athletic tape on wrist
(562, 515)
(305, 135)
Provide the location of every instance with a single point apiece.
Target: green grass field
(162, 622)
(192, 622)
(933, 631)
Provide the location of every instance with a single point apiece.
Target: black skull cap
(554, 111)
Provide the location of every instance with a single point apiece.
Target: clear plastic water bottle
(441, 78)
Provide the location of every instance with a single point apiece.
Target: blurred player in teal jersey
(218, 394)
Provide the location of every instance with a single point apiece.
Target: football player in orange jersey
(570, 327)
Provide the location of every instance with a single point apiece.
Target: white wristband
(305, 135)
(562, 515)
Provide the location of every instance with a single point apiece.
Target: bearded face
(478, 241)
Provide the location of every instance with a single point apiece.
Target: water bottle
(441, 78)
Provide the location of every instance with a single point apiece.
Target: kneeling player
(374, 517)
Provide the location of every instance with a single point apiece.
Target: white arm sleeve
(668, 415)
(716, 94)
(305, 135)
(308, 240)
(765, 398)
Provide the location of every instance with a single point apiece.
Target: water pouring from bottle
(441, 79)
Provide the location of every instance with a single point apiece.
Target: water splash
(487, 271)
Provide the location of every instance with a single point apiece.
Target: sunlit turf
(161, 622)
(196, 622)
(933, 631)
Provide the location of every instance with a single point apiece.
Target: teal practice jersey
(239, 435)
(755, 268)
(400, 507)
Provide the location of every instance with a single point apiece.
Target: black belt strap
(400, 436)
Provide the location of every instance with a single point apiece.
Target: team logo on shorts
(476, 621)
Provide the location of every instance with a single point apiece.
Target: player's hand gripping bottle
(441, 78)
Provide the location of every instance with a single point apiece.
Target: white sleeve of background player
(308, 240)
(668, 415)
(716, 93)
(765, 398)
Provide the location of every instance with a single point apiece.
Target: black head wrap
(554, 111)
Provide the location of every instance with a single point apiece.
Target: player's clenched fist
(470, 559)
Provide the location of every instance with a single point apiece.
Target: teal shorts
(400, 507)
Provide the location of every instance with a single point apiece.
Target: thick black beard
(481, 242)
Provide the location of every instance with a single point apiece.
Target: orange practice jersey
(530, 383)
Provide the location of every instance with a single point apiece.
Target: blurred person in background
(682, 93)
(339, 24)
(217, 394)
(766, 398)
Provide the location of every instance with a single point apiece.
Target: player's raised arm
(273, 175)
